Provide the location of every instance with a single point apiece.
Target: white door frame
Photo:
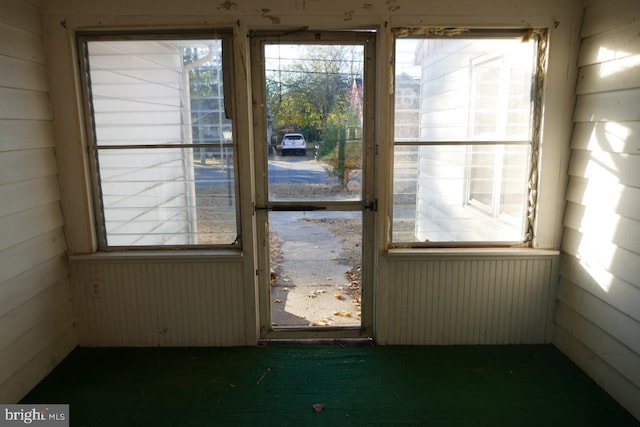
(368, 204)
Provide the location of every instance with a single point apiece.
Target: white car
(293, 143)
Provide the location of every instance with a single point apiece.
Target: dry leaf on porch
(342, 313)
(315, 293)
(277, 300)
(338, 296)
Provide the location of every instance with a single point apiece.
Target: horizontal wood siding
(36, 314)
(170, 303)
(597, 320)
(468, 301)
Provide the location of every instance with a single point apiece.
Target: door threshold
(319, 341)
(326, 334)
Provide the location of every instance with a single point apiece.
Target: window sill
(422, 253)
(195, 255)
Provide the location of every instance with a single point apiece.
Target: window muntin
(162, 145)
(462, 162)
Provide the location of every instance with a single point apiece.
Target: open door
(314, 194)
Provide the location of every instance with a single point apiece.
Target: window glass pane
(463, 89)
(457, 101)
(164, 145)
(139, 97)
(407, 90)
(151, 198)
(459, 193)
(482, 170)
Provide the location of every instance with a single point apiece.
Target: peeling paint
(264, 12)
(274, 19)
(391, 5)
(430, 31)
(228, 5)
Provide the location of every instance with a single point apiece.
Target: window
(464, 151)
(162, 148)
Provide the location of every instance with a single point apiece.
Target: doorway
(314, 182)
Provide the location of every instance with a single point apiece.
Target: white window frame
(495, 207)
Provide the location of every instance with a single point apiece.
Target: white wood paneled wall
(161, 303)
(598, 311)
(496, 300)
(36, 315)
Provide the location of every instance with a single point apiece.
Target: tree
(317, 92)
(308, 91)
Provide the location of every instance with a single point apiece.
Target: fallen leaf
(321, 291)
(311, 295)
(321, 322)
(277, 300)
(338, 296)
(342, 313)
(318, 407)
(285, 289)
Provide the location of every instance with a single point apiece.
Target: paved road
(294, 170)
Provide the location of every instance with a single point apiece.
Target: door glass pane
(316, 260)
(314, 135)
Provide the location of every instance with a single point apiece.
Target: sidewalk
(311, 286)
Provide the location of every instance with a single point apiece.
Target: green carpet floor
(276, 385)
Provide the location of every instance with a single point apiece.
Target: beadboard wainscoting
(161, 303)
(467, 300)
